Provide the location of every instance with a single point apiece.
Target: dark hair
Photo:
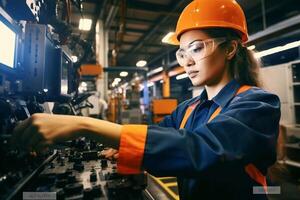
(243, 67)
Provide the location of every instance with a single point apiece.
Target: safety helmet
(211, 14)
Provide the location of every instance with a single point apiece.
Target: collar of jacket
(223, 97)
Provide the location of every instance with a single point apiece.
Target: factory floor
(159, 190)
(288, 181)
(166, 188)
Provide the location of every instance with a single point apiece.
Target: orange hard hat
(209, 14)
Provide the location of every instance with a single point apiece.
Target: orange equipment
(162, 107)
(209, 14)
(90, 70)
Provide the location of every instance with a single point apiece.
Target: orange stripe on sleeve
(131, 149)
(256, 175)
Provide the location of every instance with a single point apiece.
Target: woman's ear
(231, 49)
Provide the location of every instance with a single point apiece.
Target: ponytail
(244, 67)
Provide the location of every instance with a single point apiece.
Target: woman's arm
(45, 129)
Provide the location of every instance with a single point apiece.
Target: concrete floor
(288, 180)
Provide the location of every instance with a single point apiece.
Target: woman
(220, 144)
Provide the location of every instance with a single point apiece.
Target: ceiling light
(181, 76)
(124, 74)
(85, 24)
(150, 84)
(114, 53)
(155, 71)
(83, 84)
(158, 69)
(167, 37)
(117, 80)
(141, 63)
(114, 84)
(252, 47)
(74, 59)
(277, 49)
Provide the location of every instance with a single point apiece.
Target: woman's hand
(45, 129)
(111, 154)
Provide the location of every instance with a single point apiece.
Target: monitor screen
(7, 45)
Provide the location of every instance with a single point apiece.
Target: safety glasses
(198, 50)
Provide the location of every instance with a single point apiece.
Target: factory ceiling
(136, 27)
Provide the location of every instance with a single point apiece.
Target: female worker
(220, 144)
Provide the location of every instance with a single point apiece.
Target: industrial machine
(75, 170)
(72, 170)
(34, 71)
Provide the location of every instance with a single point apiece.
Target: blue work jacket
(209, 158)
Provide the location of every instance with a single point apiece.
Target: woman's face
(209, 69)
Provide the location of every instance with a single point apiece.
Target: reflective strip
(256, 175)
(131, 150)
(216, 112)
(242, 89)
(187, 114)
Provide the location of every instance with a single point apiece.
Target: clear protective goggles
(198, 50)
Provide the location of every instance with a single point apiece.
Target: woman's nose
(190, 61)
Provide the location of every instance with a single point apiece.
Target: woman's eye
(197, 49)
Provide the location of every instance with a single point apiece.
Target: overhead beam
(137, 53)
(142, 31)
(150, 7)
(91, 35)
(276, 30)
(125, 68)
(129, 29)
(253, 14)
(111, 14)
(143, 6)
(163, 54)
(92, 1)
(134, 43)
(156, 27)
(136, 20)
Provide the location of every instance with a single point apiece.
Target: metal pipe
(111, 15)
(101, 15)
(125, 68)
(263, 9)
